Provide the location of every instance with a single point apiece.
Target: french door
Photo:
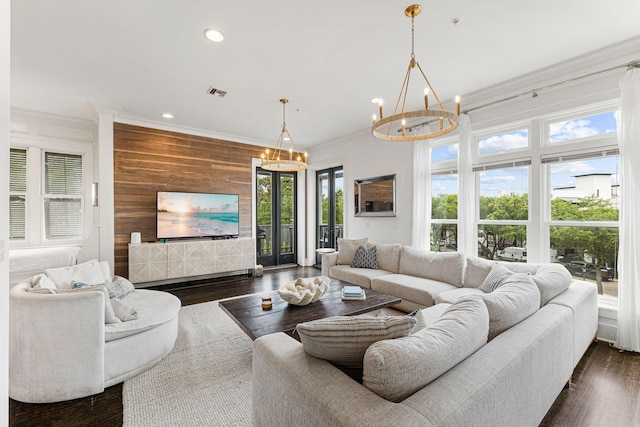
(330, 208)
(276, 217)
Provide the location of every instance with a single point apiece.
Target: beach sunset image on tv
(196, 215)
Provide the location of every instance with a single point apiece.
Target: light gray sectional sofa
(496, 358)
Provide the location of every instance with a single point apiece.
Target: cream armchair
(60, 347)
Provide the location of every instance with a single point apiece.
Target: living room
(129, 146)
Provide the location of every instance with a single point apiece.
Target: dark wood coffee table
(247, 311)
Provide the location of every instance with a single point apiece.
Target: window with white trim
(48, 209)
(444, 198)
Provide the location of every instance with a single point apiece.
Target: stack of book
(353, 293)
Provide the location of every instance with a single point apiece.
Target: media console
(153, 262)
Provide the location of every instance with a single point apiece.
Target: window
(503, 211)
(583, 216)
(46, 196)
(17, 194)
(443, 182)
(444, 212)
(62, 196)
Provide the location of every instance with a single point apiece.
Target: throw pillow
(514, 301)
(395, 369)
(552, 280)
(347, 249)
(89, 272)
(495, 278)
(43, 282)
(344, 339)
(123, 310)
(365, 258)
(475, 271)
(119, 288)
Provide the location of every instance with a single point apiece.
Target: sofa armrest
(328, 261)
(56, 345)
(291, 387)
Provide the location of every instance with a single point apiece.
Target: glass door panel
(329, 205)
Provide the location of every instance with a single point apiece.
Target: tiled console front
(150, 262)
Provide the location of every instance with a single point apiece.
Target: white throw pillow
(43, 282)
(109, 315)
(123, 310)
(120, 288)
(347, 249)
(496, 278)
(89, 272)
(395, 369)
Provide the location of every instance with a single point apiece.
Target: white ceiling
(329, 58)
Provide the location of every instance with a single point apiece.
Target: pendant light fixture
(280, 159)
(407, 126)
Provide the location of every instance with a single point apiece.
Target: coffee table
(247, 311)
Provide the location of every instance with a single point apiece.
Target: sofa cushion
(441, 266)
(552, 280)
(475, 271)
(495, 278)
(388, 255)
(449, 297)
(154, 308)
(344, 339)
(416, 289)
(357, 276)
(514, 301)
(347, 249)
(90, 272)
(395, 369)
(365, 258)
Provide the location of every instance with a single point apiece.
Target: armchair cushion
(90, 272)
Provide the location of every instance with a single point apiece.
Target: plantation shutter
(17, 194)
(62, 196)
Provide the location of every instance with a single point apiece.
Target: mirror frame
(360, 184)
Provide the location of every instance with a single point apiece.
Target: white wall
(364, 156)
(5, 25)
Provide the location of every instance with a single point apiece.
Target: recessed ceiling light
(167, 115)
(213, 35)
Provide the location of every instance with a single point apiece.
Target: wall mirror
(375, 196)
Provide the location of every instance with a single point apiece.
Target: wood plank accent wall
(148, 160)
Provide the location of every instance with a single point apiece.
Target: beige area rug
(204, 381)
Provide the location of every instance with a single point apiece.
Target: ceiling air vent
(213, 91)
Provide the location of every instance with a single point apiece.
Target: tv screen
(182, 215)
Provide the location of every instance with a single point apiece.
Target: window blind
(17, 194)
(63, 196)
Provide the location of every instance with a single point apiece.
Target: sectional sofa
(484, 356)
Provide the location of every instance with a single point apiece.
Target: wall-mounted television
(181, 215)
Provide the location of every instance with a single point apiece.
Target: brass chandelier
(279, 159)
(407, 126)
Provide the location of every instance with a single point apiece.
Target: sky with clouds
(515, 180)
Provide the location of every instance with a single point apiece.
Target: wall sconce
(94, 194)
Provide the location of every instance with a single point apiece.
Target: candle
(374, 119)
(458, 105)
(380, 104)
(426, 98)
(266, 303)
(440, 123)
(404, 122)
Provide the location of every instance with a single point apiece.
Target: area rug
(204, 381)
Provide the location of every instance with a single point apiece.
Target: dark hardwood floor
(605, 392)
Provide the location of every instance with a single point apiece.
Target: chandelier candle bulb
(426, 98)
(404, 122)
(380, 105)
(441, 123)
(457, 105)
(374, 119)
